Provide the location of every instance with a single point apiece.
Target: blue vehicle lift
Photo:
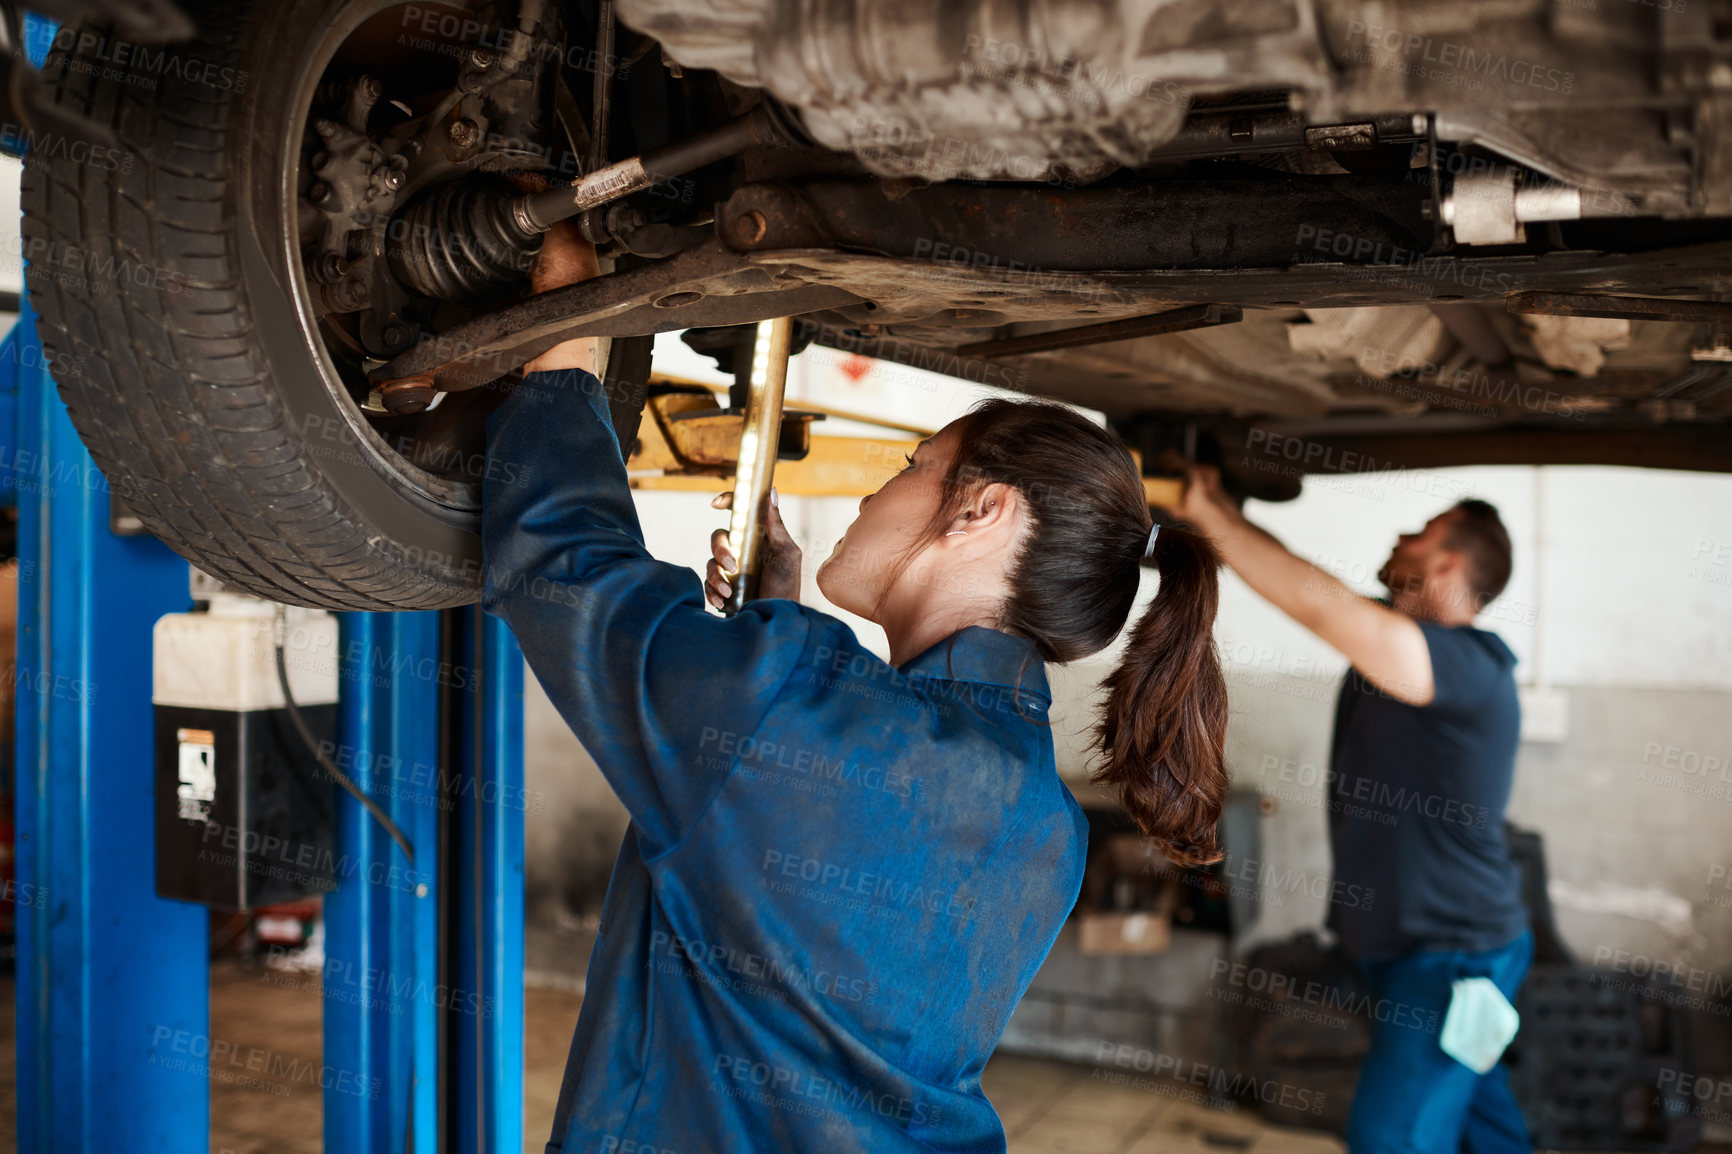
(423, 1016)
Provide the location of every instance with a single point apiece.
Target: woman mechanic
(841, 872)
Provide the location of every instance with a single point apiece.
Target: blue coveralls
(839, 876)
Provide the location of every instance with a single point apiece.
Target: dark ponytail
(1164, 727)
(1073, 584)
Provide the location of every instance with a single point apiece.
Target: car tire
(166, 298)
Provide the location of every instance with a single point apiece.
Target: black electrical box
(265, 832)
(244, 815)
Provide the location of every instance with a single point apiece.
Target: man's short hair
(1477, 532)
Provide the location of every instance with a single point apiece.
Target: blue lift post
(113, 1022)
(398, 991)
(113, 982)
(381, 926)
(487, 1084)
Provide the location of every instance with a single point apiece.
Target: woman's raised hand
(779, 571)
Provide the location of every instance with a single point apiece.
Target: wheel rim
(436, 456)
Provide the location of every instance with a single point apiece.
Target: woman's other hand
(1205, 503)
(565, 258)
(779, 570)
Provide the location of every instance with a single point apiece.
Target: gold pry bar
(757, 462)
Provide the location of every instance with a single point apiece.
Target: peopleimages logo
(786, 1088)
(1282, 988)
(1267, 879)
(1677, 972)
(1222, 1082)
(779, 976)
(784, 871)
(205, 1056)
(139, 65)
(759, 754)
(1462, 58)
(1700, 1088)
(38, 147)
(613, 1145)
(1378, 796)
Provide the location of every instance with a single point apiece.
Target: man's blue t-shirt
(1417, 804)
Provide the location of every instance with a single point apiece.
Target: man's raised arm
(1388, 648)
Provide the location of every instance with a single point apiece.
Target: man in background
(1422, 760)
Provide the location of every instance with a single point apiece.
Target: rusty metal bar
(757, 463)
(1618, 307)
(655, 297)
(534, 213)
(1170, 321)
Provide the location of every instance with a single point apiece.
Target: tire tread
(170, 389)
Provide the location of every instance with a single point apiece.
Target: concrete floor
(1047, 1107)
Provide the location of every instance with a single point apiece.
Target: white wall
(1625, 588)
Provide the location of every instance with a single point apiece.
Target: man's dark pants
(1412, 1097)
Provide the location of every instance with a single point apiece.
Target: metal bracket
(1171, 321)
(709, 282)
(1618, 307)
